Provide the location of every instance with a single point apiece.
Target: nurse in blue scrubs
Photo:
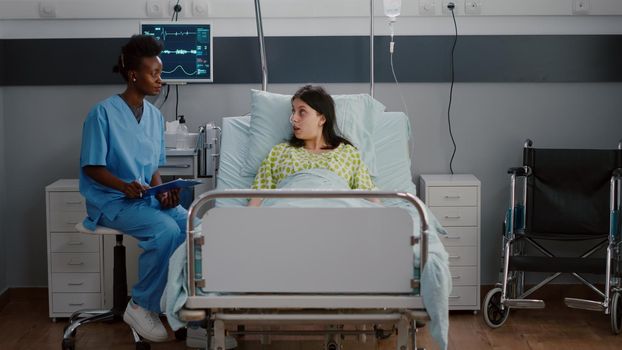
(122, 148)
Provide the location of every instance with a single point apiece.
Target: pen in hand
(134, 189)
(140, 192)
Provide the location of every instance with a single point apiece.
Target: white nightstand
(455, 201)
(74, 259)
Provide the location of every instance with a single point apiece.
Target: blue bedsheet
(435, 278)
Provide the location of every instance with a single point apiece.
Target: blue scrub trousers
(160, 232)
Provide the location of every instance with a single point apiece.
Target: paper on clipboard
(167, 186)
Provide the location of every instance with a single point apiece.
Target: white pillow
(270, 125)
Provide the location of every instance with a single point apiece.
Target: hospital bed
(378, 269)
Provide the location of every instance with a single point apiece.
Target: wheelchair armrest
(518, 171)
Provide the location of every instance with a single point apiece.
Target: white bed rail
(205, 198)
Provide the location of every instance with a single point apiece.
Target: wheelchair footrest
(584, 304)
(524, 303)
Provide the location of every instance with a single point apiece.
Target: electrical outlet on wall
(427, 8)
(473, 7)
(458, 5)
(580, 7)
(155, 9)
(47, 9)
(199, 8)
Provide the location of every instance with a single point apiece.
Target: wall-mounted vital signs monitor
(188, 51)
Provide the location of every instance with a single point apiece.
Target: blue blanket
(435, 277)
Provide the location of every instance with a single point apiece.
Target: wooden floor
(24, 325)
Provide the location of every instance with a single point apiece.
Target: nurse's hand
(169, 199)
(134, 189)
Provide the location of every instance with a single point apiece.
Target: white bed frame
(344, 270)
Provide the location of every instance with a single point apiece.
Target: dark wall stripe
(343, 59)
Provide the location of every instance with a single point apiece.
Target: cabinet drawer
(460, 296)
(463, 275)
(76, 282)
(452, 196)
(462, 256)
(65, 221)
(75, 262)
(460, 236)
(178, 166)
(456, 216)
(67, 201)
(72, 302)
(73, 243)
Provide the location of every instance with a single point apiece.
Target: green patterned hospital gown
(285, 160)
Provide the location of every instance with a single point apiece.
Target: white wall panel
(233, 27)
(120, 18)
(79, 9)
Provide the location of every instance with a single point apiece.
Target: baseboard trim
(22, 293)
(4, 298)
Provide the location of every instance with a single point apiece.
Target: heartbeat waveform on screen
(179, 67)
(180, 52)
(186, 33)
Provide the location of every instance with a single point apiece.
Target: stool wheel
(69, 344)
(181, 334)
(142, 345)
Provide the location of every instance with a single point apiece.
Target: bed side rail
(205, 199)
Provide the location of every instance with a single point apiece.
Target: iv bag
(392, 8)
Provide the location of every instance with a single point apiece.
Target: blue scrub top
(112, 137)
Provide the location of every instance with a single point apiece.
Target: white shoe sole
(129, 319)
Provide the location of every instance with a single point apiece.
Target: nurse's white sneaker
(145, 322)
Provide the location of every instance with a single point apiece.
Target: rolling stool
(119, 295)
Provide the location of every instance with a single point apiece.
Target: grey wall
(3, 230)
(42, 128)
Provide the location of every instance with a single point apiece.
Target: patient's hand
(255, 202)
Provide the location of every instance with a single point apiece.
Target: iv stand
(262, 47)
(371, 48)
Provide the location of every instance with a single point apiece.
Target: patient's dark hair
(318, 99)
(132, 53)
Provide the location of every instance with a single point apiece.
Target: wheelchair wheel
(616, 313)
(494, 316)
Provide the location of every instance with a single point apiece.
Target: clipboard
(167, 186)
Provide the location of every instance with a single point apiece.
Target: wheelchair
(561, 198)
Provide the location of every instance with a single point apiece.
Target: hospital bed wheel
(69, 344)
(493, 314)
(616, 313)
(142, 345)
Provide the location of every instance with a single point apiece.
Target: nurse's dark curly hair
(134, 51)
(318, 99)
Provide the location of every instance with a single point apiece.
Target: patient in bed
(315, 144)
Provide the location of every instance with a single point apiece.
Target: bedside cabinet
(455, 201)
(79, 265)
(74, 259)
